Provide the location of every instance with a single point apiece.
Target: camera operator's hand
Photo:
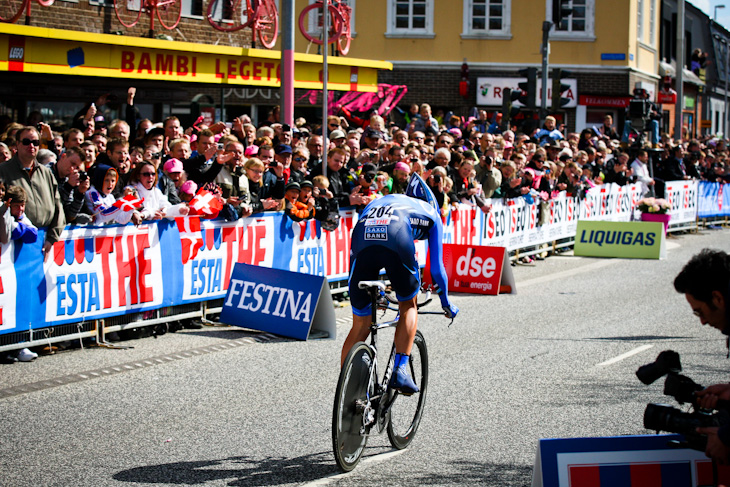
(84, 186)
(716, 449)
(707, 398)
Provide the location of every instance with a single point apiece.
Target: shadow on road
(478, 473)
(240, 471)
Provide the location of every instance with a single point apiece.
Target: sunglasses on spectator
(35, 142)
(414, 159)
(300, 159)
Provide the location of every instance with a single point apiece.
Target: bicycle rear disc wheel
(406, 411)
(169, 12)
(128, 11)
(227, 15)
(347, 419)
(267, 23)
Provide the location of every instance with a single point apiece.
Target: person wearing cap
(293, 208)
(173, 170)
(187, 191)
(371, 139)
(337, 137)
(400, 174)
(283, 157)
(364, 181)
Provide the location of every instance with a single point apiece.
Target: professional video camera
(662, 417)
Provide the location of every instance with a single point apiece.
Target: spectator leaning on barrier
(156, 205)
(44, 207)
(255, 170)
(233, 181)
(100, 200)
(641, 171)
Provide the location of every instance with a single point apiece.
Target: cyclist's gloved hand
(450, 310)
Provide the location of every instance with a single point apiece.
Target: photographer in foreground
(704, 281)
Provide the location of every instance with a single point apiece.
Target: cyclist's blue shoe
(402, 382)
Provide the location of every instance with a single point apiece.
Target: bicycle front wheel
(406, 411)
(335, 25)
(227, 15)
(11, 10)
(267, 23)
(128, 11)
(347, 417)
(169, 12)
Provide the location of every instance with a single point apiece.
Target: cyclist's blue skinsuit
(383, 238)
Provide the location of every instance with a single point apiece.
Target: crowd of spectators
(80, 175)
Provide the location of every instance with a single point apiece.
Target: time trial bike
(364, 401)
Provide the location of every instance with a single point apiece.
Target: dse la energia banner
(97, 272)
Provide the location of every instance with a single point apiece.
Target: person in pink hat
(401, 171)
(187, 191)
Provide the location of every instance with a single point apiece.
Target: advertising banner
(477, 269)
(280, 302)
(97, 272)
(634, 240)
(682, 197)
(713, 200)
(629, 461)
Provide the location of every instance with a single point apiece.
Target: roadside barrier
(98, 280)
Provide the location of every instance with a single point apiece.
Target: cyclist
(384, 238)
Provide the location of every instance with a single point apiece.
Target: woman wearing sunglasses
(299, 170)
(156, 205)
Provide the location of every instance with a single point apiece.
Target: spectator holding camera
(43, 207)
(73, 182)
(232, 180)
(488, 176)
(705, 282)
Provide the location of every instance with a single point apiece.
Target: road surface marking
(625, 355)
(365, 461)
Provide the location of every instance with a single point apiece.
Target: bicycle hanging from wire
(167, 11)
(11, 10)
(340, 30)
(364, 400)
(232, 15)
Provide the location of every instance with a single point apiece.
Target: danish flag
(129, 203)
(190, 237)
(205, 204)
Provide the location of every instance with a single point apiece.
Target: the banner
(714, 200)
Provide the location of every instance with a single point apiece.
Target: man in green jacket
(43, 207)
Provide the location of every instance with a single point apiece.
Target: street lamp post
(726, 46)
(714, 16)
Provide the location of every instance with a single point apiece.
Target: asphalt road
(230, 407)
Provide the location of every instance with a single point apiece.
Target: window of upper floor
(410, 18)
(487, 19)
(579, 25)
(314, 21)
